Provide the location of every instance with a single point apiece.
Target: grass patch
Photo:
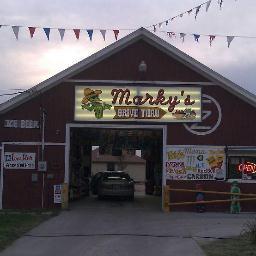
(226, 247)
(14, 224)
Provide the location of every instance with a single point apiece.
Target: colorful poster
(19, 160)
(195, 163)
(138, 103)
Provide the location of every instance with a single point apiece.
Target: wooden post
(64, 196)
(166, 199)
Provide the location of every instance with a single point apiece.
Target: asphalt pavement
(115, 227)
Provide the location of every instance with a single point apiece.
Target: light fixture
(142, 66)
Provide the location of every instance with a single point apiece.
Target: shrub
(249, 231)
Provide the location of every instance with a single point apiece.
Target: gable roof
(135, 36)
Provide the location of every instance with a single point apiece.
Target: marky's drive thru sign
(157, 104)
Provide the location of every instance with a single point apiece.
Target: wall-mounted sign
(157, 104)
(247, 168)
(211, 117)
(195, 163)
(42, 166)
(18, 160)
(57, 191)
(28, 124)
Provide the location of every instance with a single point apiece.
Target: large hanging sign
(18, 160)
(157, 104)
(195, 163)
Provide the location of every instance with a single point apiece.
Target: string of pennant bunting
(77, 31)
(90, 33)
(181, 35)
(196, 10)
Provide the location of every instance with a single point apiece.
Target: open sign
(247, 167)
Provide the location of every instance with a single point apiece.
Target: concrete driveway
(109, 228)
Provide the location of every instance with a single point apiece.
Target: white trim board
(137, 82)
(140, 34)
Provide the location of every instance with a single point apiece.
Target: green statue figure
(235, 204)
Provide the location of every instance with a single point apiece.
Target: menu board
(195, 163)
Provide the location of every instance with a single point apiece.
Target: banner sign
(157, 104)
(18, 160)
(27, 124)
(195, 163)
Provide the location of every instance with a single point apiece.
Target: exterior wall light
(142, 66)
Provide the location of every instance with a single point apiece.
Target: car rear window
(116, 176)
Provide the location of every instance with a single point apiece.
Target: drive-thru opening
(138, 152)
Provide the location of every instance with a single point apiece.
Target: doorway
(136, 150)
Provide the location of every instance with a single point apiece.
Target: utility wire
(166, 21)
(66, 28)
(197, 8)
(9, 94)
(218, 35)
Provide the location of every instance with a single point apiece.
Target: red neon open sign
(247, 167)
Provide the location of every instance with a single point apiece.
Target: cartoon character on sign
(92, 102)
(187, 113)
(215, 163)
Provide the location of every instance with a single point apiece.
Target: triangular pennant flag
(196, 37)
(160, 24)
(189, 11)
(32, 31)
(229, 40)
(208, 5)
(220, 2)
(16, 30)
(171, 34)
(116, 32)
(47, 32)
(62, 33)
(77, 33)
(197, 10)
(182, 36)
(211, 37)
(103, 32)
(90, 32)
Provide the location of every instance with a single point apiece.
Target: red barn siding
(237, 126)
(124, 66)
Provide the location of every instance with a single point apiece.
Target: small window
(242, 167)
(110, 167)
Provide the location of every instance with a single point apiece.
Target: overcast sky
(26, 62)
